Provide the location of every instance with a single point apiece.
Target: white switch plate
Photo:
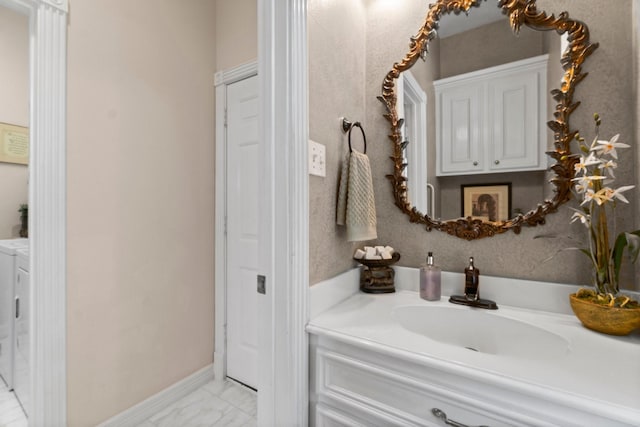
(317, 159)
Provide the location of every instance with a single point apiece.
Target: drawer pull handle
(440, 414)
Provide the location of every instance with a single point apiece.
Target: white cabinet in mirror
(492, 120)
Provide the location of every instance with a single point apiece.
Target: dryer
(8, 261)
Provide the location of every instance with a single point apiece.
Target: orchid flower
(593, 183)
(584, 218)
(586, 182)
(608, 194)
(581, 166)
(589, 195)
(609, 147)
(609, 166)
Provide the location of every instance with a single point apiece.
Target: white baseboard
(146, 409)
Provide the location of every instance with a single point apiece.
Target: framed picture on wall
(14, 144)
(488, 202)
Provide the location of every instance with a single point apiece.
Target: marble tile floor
(11, 414)
(216, 404)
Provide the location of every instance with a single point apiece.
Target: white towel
(356, 205)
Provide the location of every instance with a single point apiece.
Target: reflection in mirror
(412, 107)
(14, 119)
(487, 112)
(14, 193)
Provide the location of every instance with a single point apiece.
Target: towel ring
(364, 138)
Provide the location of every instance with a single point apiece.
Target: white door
(242, 231)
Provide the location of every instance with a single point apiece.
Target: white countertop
(599, 372)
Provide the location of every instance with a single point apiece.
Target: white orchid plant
(593, 185)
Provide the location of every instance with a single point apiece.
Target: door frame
(410, 93)
(283, 312)
(47, 207)
(222, 80)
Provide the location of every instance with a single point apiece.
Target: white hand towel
(356, 204)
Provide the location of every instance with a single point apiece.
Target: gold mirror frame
(520, 12)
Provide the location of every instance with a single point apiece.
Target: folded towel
(356, 204)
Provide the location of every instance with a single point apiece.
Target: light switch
(317, 159)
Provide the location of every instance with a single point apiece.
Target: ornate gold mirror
(481, 121)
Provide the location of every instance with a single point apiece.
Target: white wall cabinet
(493, 120)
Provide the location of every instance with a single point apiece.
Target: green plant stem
(605, 273)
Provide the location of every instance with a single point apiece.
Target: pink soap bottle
(430, 280)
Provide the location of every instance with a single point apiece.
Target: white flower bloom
(609, 166)
(608, 194)
(609, 147)
(581, 166)
(589, 195)
(584, 218)
(585, 183)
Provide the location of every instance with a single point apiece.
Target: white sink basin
(482, 331)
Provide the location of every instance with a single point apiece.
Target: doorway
(237, 231)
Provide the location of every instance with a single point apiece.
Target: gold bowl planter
(605, 319)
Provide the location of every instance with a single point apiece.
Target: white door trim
(47, 208)
(416, 132)
(222, 80)
(284, 218)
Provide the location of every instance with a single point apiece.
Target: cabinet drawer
(380, 396)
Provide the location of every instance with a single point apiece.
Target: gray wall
(607, 90)
(336, 89)
(636, 90)
(487, 46)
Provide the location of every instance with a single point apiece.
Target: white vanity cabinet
(493, 120)
(522, 365)
(351, 386)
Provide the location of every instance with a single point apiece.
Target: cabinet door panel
(513, 111)
(461, 117)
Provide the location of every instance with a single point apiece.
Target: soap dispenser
(430, 289)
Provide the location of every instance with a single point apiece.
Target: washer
(7, 306)
(21, 330)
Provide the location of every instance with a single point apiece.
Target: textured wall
(607, 90)
(336, 89)
(469, 51)
(526, 190)
(636, 90)
(140, 200)
(14, 109)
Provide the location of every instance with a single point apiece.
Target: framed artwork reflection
(14, 144)
(487, 202)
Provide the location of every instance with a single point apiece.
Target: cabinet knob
(497, 162)
(475, 163)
